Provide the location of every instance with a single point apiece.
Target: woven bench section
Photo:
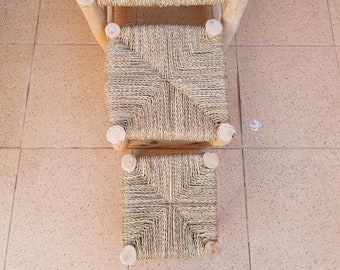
(169, 206)
(159, 3)
(167, 82)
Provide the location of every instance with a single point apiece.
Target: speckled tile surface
(232, 228)
(66, 106)
(15, 68)
(62, 22)
(334, 9)
(289, 22)
(293, 208)
(18, 21)
(67, 212)
(8, 171)
(293, 93)
(233, 96)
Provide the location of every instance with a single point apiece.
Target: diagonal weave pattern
(167, 82)
(159, 3)
(170, 206)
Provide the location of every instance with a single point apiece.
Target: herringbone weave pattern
(170, 206)
(167, 82)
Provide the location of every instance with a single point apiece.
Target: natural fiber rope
(167, 82)
(170, 206)
(160, 3)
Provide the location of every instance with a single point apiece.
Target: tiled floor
(279, 180)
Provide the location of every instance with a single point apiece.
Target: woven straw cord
(159, 3)
(167, 82)
(170, 206)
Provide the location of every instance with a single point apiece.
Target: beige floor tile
(293, 208)
(62, 22)
(8, 171)
(294, 94)
(232, 222)
(232, 90)
(18, 21)
(289, 22)
(15, 67)
(66, 106)
(338, 53)
(68, 211)
(334, 8)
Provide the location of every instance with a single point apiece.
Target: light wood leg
(231, 17)
(109, 12)
(96, 19)
(129, 163)
(211, 250)
(128, 255)
(116, 135)
(210, 160)
(225, 133)
(217, 12)
(214, 28)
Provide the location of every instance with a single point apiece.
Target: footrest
(167, 83)
(169, 206)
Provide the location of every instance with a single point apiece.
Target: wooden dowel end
(128, 255)
(210, 160)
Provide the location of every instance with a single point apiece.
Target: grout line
(239, 91)
(67, 44)
(246, 206)
(11, 213)
(243, 161)
(333, 35)
(337, 54)
(330, 21)
(67, 148)
(22, 131)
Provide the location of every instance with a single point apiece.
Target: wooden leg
(225, 133)
(213, 27)
(231, 17)
(211, 250)
(129, 163)
(112, 30)
(117, 136)
(109, 12)
(217, 12)
(96, 19)
(210, 160)
(128, 255)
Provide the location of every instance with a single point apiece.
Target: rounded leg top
(129, 163)
(112, 30)
(128, 255)
(210, 160)
(213, 27)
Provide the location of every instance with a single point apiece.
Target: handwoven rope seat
(159, 3)
(170, 206)
(167, 82)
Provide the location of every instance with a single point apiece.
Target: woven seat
(166, 82)
(160, 3)
(169, 206)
